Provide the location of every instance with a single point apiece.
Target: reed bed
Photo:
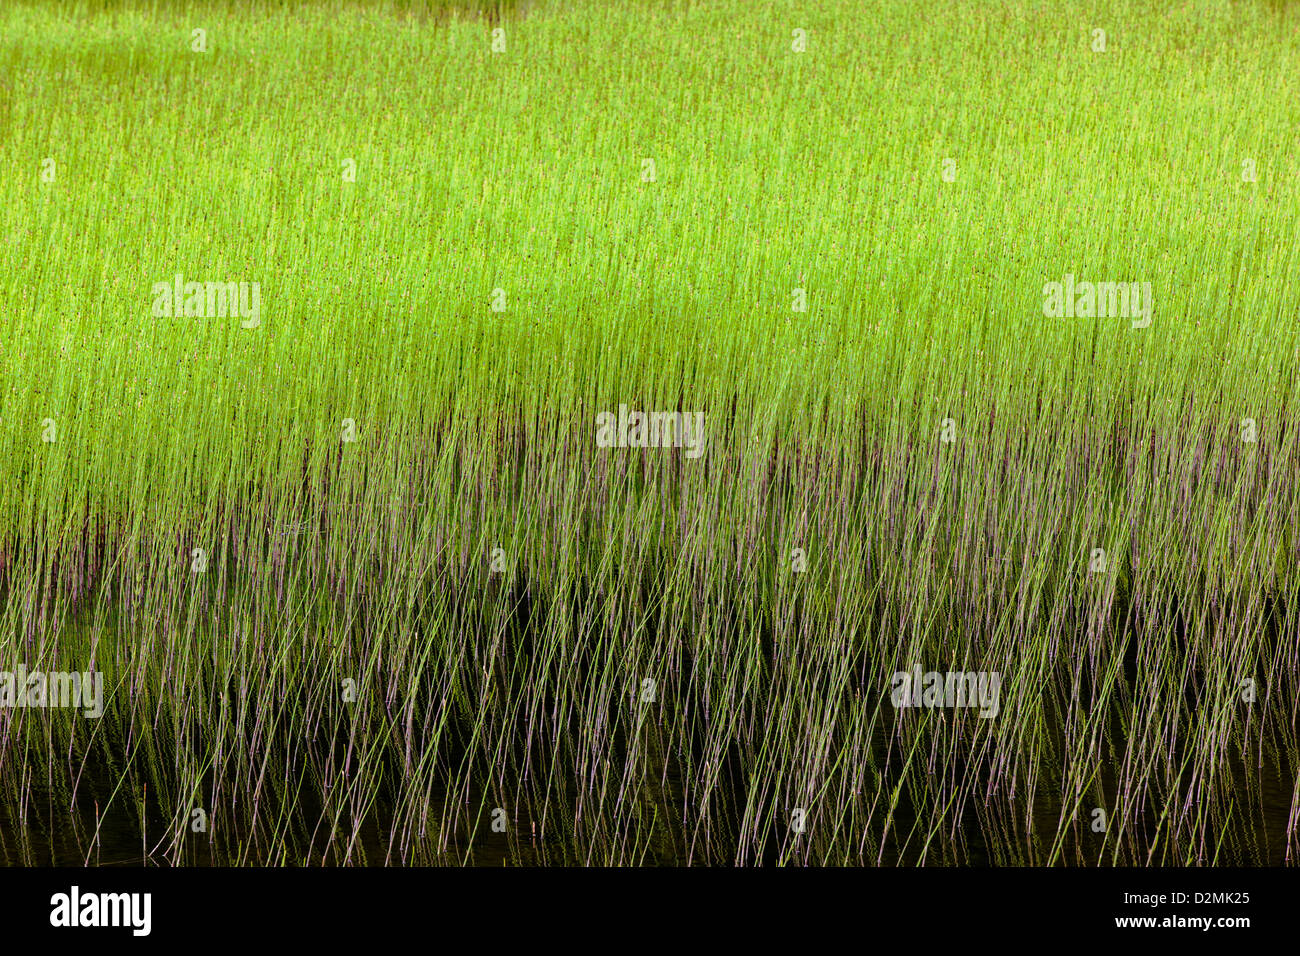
(360, 580)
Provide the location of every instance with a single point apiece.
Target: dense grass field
(363, 584)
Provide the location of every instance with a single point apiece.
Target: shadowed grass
(498, 589)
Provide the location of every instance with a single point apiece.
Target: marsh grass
(371, 561)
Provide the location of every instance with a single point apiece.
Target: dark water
(102, 825)
(99, 812)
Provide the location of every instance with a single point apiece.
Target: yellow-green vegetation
(357, 571)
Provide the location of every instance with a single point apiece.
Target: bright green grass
(522, 171)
